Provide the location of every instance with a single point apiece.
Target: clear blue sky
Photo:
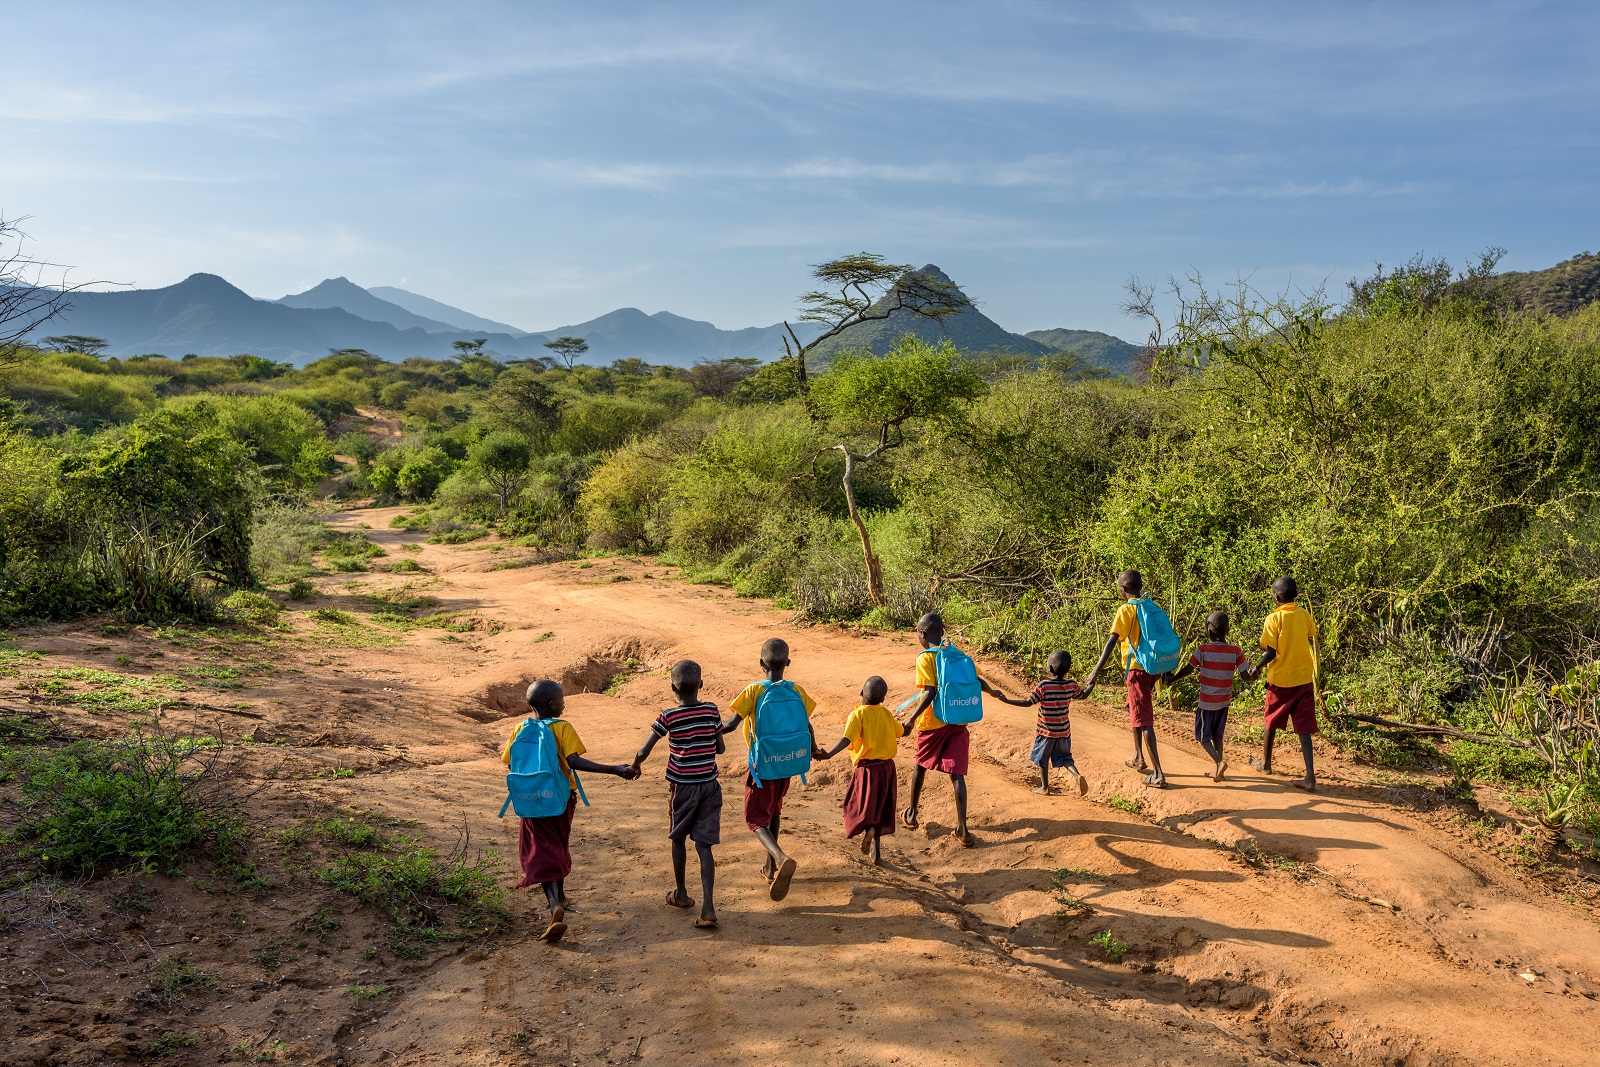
(543, 163)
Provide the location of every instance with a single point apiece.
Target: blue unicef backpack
(537, 786)
(1159, 649)
(780, 736)
(960, 699)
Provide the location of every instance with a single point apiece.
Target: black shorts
(696, 809)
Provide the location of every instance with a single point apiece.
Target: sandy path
(945, 955)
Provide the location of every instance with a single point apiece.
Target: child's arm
(1026, 702)
(987, 687)
(844, 743)
(1179, 674)
(1250, 673)
(649, 743)
(1105, 654)
(732, 724)
(816, 750)
(621, 770)
(929, 692)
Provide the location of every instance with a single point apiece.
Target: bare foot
(1220, 773)
(866, 842)
(1301, 783)
(557, 928)
(966, 839)
(780, 881)
(677, 898)
(1043, 790)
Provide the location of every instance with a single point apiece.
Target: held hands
(627, 771)
(820, 753)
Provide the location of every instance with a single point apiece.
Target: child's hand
(820, 754)
(628, 771)
(1166, 679)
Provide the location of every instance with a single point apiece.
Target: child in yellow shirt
(872, 735)
(544, 845)
(1291, 670)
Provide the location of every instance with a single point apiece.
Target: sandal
(705, 924)
(684, 903)
(780, 881)
(1155, 781)
(557, 928)
(1137, 765)
(908, 818)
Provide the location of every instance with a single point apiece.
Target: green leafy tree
(503, 459)
(520, 400)
(568, 349)
(77, 342)
(877, 400)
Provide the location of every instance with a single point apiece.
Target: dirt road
(1263, 924)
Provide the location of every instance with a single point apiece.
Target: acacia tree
(863, 288)
(77, 342)
(568, 349)
(26, 301)
(878, 399)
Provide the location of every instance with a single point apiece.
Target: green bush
(149, 803)
(416, 887)
(242, 605)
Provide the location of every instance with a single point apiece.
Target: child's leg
(1044, 775)
(1137, 762)
(877, 846)
(552, 895)
(1310, 780)
(1212, 750)
(558, 924)
(958, 782)
(768, 836)
(1155, 757)
(708, 881)
(1265, 762)
(679, 897)
(918, 773)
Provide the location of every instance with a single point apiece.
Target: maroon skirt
(542, 846)
(764, 803)
(1141, 699)
(869, 800)
(1291, 706)
(945, 749)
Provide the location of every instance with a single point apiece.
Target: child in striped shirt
(693, 731)
(1052, 745)
(1218, 662)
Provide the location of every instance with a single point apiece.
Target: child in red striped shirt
(1053, 742)
(1218, 662)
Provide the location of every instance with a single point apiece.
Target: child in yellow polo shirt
(544, 845)
(763, 803)
(1291, 674)
(941, 746)
(872, 734)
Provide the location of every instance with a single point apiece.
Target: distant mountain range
(206, 315)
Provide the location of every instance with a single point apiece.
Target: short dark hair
(1217, 625)
(1059, 663)
(685, 670)
(930, 622)
(543, 691)
(1285, 589)
(774, 650)
(1130, 581)
(875, 690)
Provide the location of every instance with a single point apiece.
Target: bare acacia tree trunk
(874, 568)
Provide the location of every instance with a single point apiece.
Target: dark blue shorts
(1209, 726)
(1058, 750)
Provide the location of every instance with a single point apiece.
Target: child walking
(693, 731)
(1217, 661)
(943, 747)
(1141, 684)
(544, 845)
(763, 801)
(1291, 670)
(1052, 745)
(872, 734)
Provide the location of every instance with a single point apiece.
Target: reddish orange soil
(1265, 925)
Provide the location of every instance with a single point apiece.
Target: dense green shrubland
(1425, 464)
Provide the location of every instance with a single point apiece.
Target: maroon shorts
(1291, 705)
(763, 804)
(945, 749)
(542, 846)
(1141, 698)
(869, 800)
